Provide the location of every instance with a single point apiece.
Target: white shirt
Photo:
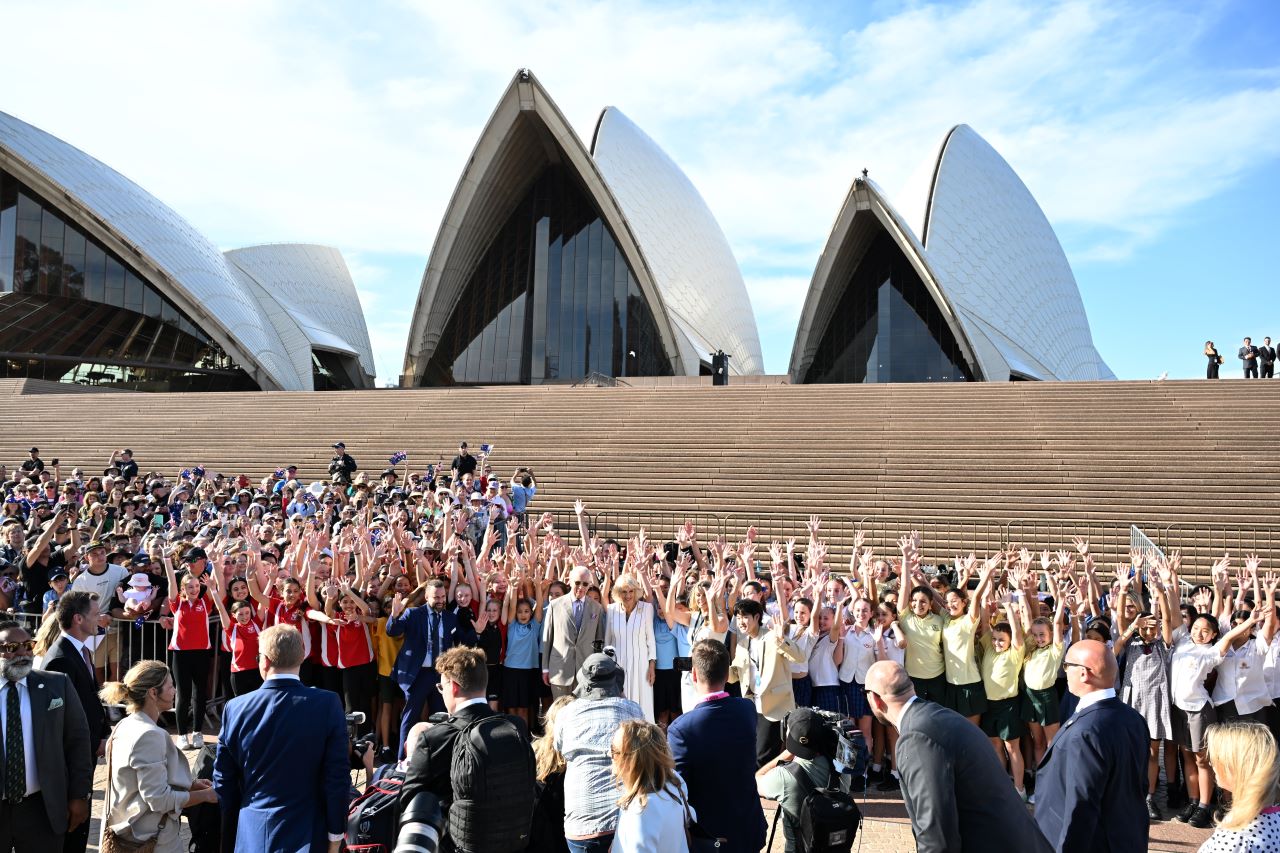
(104, 585)
(28, 735)
(1096, 696)
(822, 664)
(80, 645)
(658, 825)
(1271, 668)
(1241, 678)
(1190, 666)
(859, 654)
(804, 641)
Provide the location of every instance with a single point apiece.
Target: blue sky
(1149, 132)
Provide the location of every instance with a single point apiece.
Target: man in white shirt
(104, 579)
(45, 774)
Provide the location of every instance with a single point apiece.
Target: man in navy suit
(281, 772)
(428, 633)
(714, 749)
(1092, 784)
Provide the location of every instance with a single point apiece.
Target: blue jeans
(600, 844)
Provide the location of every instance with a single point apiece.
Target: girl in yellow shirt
(1001, 665)
(1039, 674)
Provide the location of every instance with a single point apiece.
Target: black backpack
(373, 820)
(204, 820)
(829, 818)
(494, 786)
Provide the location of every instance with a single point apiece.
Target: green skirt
(967, 700)
(1041, 706)
(1002, 719)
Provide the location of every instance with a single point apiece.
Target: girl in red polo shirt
(240, 641)
(348, 615)
(190, 651)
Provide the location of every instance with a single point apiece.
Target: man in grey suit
(958, 796)
(46, 777)
(574, 622)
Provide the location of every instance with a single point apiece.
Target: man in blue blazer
(281, 772)
(1092, 784)
(428, 632)
(714, 749)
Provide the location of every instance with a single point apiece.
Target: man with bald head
(572, 624)
(1092, 784)
(957, 794)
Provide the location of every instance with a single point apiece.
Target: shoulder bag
(113, 842)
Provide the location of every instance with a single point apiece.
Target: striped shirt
(584, 731)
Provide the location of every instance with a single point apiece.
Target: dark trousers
(768, 740)
(75, 841)
(599, 844)
(422, 695)
(329, 678)
(191, 678)
(1250, 370)
(1212, 372)
(359, 683)
(24, 827)
(245, 681)
(1268, 369)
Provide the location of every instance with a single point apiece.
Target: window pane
(95, 274)
(115, 283)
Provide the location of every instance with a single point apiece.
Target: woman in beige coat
(149, 779)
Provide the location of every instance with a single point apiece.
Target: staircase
(974, 466)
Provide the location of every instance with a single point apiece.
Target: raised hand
(859, 539)
(775, 553)
(579, 507)
(1251, 564)
(752, 533)
(1220, 570)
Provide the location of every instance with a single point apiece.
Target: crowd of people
(641, 694)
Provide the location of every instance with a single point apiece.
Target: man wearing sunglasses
(574, 623)
(46, 778)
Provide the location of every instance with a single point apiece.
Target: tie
(577, 614)
(88, 661)
(435, 637)
(15, 767)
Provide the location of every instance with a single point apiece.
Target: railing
(1110, 541)
(128, 642)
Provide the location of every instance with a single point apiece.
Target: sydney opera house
(102, 284)
(554, 262)
(965, 282)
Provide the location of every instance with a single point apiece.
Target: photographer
(341, 466)
(494, 802)
(810, 748)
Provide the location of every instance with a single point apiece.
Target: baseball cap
(809, 735)
(194, 554)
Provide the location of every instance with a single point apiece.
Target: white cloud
(264, 121)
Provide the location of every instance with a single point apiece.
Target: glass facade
(72, 311)
(552, 300)
(886, 327)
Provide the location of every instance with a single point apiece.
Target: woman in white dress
(629, 629)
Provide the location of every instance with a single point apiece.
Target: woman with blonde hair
(629, 629)
(548, 815)
(1246, 763)
(653, 808)
(148, 779)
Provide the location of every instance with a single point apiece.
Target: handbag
(698, 839)
(113, 842)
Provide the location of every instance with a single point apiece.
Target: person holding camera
(584, 736)
(282, 770)
(811, 749)
(341, 466)
(503, 770)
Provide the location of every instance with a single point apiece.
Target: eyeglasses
(582, 583)
(1073, 663)
(17, 648)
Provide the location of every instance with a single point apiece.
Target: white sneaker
(197, 740)
(1031, 799)
(187, 741)
(1022, 794)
